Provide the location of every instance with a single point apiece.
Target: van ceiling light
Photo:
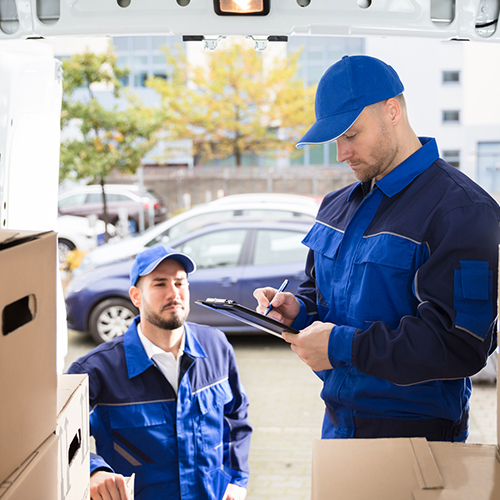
(241, 7)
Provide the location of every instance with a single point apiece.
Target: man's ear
(135, 296)
(393, 109)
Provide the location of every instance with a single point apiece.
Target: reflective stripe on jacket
(187, 447)
(408, 274)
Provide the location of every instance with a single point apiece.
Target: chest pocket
(325, 242)
(143, 434)
(211, 402)
(380, 286)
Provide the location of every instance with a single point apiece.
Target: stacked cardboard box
(36, 477)
(44, 435)
(406, 469)
(28, 380)
(73, 431)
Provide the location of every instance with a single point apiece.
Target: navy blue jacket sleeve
(454, 329)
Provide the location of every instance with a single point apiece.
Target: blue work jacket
(188, 446)
(408, 275)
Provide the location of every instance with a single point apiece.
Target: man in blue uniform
(166, 399)
(398, 309)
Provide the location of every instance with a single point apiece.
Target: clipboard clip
(221, 302)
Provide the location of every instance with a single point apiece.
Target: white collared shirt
(165, 361)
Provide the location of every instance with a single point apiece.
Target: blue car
(233, 259)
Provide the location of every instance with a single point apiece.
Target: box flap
(66, 386)
(470, 471)
(10, 238)
(426, 469)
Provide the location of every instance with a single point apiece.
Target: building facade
(450, 88)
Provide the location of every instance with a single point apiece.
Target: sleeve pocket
(473, 297)
(211, 402)
(214, 397)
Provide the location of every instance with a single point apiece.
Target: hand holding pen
(280, 289)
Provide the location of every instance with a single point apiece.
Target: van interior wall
(203, 184)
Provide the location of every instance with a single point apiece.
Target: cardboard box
(28, 379)
(73, 472)
(406, 468)
(403, 469)
(130, 485)
(36, 478)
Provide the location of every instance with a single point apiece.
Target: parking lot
(286, 413)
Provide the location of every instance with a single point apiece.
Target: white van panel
(30, 110)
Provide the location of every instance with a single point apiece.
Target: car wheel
(110, 318)
(65, 247)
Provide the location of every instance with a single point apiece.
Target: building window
(143, 56)
(140, 79)
(451, 77)
(451, 116)
(319, 53)
(452, 156)
(488, 166)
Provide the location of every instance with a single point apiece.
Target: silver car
(257, 206)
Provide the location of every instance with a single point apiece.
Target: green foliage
(107, 139)
(235, 104)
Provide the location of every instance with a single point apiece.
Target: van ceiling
(474, 20)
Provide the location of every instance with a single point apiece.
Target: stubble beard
(176, 320)
(381, 159)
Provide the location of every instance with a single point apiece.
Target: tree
(107, 139)
(235, 105)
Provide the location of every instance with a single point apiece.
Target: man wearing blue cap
(166, 399)
(398, 308)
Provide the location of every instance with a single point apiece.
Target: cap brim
(329, 128)
(186, 261)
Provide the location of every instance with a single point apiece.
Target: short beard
(176, 321)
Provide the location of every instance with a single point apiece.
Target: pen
(280, 289)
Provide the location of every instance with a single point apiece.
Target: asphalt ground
(286, 413)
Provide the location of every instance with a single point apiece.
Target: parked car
(233, 259)
(297, 199)
(78, 233)
(257, 206)
(87, 200)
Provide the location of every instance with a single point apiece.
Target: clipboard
(237, 311)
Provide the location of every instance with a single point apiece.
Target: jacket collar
(136, 357)
(406, 172)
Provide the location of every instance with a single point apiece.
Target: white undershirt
(165, 361)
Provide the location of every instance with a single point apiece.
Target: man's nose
(171, 291)
(343, 151)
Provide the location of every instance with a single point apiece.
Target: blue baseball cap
(148, 260)
(344, 91)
